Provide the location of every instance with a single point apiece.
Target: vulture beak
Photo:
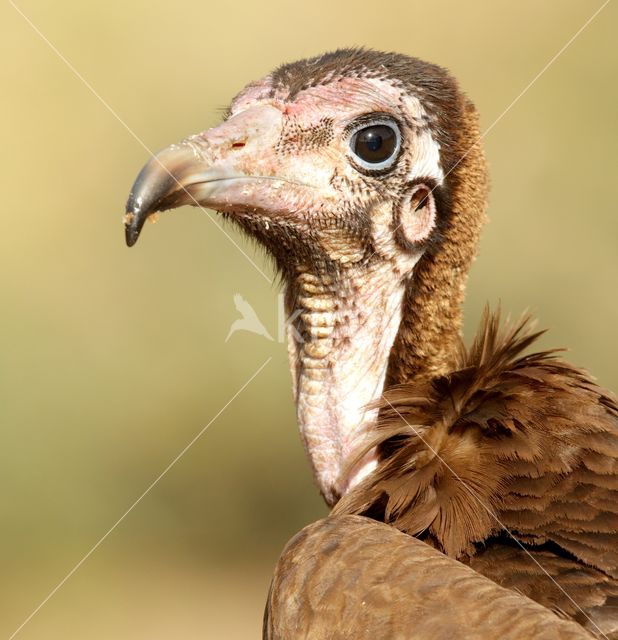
(232, 167)
(168, 180)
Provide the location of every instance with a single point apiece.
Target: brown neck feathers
(432, 306)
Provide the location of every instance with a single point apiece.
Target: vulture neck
(372, 326)
(340, 335)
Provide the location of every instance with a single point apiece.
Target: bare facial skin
(336, 180)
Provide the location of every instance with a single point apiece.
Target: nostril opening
(238, 145)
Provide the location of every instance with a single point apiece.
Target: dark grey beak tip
(156, 188)
(133, 222)
(131, 235)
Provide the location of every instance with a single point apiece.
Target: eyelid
(369, 120)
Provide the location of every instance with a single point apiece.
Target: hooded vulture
(474, 491)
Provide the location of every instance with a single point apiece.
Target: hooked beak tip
(154, 182)
(131, 236)
(133, 223)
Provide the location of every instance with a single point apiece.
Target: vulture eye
(375, 145)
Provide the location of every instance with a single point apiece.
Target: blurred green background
(112, 360)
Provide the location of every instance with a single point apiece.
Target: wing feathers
(351, 577)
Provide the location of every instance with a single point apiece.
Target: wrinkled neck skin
(340, 335)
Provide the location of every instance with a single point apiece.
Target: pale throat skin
(345, 240)
(339, 342)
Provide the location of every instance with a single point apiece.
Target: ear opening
(417, 215)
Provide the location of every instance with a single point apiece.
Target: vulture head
(361, 174)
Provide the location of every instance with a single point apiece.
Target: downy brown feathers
(524, 444)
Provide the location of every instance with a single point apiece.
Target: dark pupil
(375, 144)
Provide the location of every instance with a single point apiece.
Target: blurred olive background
(112, 360)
